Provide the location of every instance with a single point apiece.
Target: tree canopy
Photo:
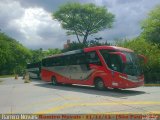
(39, 54)
(83, 20)
(14, 55)
(151, 26)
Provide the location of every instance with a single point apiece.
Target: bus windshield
(131, 67)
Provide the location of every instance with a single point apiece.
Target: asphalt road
(40, 97)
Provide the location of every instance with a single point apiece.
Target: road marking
(54, 109)
(45, 102)
(56, 99)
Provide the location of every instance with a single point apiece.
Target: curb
(152, 85)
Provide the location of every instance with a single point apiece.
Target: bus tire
(54, 81)
(99, 84)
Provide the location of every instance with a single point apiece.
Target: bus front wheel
(54, 81)
(99, 84)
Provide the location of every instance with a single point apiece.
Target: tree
(39, 54)
(51, 51)
(83, 20)
(151, 26)
(4, 52)
(14, 56)
(75, 45)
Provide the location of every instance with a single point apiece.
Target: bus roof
(107, 48)
(88, 49)
(66, 53)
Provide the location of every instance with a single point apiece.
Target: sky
(30, 21)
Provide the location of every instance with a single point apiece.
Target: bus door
(116, 64)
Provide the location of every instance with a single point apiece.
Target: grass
(5, 76)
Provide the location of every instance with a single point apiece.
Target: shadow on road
(92, 90)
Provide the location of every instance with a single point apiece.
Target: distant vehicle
(101, 66)
(34, 70)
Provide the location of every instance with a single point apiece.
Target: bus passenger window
(115, 63)
(93, 58)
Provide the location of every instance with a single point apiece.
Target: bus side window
(56, 61)
(92, 58)
(60, 61)
(73, 59)
(67, 60)
(44, 62)
(80, 59)
(115, 63)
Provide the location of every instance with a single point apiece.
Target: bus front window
(132, 66)
(113, 61)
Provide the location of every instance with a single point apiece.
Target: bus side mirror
(142, 59)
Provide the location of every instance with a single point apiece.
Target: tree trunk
(85, 38)
(77, 37)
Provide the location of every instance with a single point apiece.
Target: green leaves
(74, 45)
(83, 19)
(151, 26)
(14, 56)
(39, 54)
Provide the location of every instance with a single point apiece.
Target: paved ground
(40, 97)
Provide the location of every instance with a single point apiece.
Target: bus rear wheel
(99, 84)
(54, 81)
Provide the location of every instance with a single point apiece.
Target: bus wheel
(99, 84)
(54, 81)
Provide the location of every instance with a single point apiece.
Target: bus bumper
(124, 84)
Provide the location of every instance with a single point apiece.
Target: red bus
(101, 66)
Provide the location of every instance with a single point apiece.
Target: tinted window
(34, 65)
(113, 61)
(75, 59)
(93, 58)
(80, 58)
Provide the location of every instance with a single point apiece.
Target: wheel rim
(54, 81)
(100, 84)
